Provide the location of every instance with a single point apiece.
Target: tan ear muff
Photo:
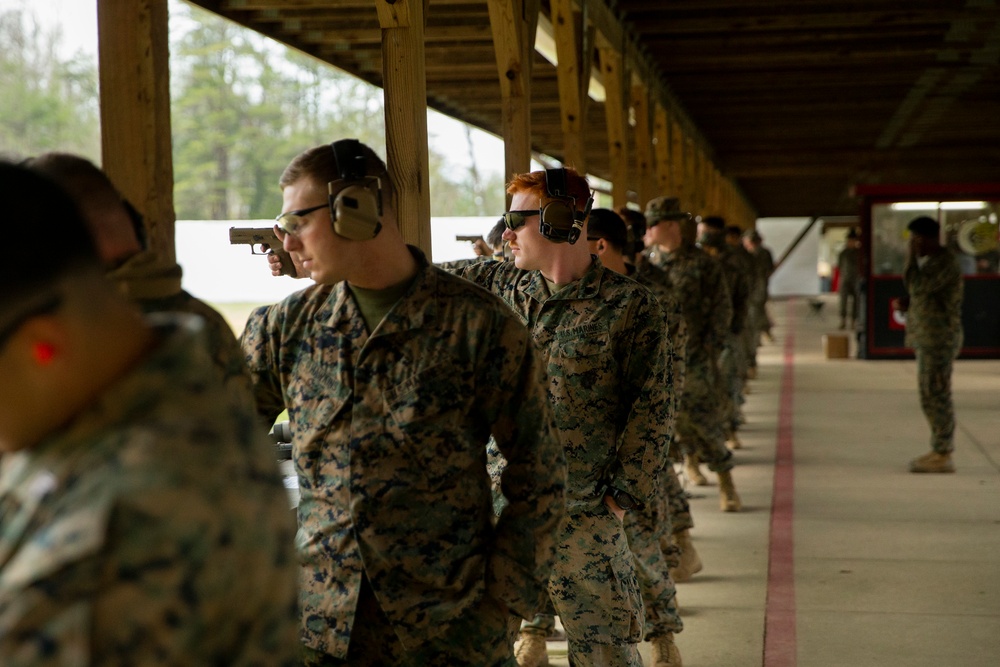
(357, 208)
(355, 211)
(558, 219)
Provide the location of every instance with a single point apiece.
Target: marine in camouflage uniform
(764, 262)
(649, 528)
(609, 385)
(116, 544)
(142, 516)
(934, 285)
(119, 235)
(737, 269)
(699, 285)
(401, 561)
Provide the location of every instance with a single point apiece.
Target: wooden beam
(566, 28)
(680, 181)
(664, 183)
(134, 77)
(513, 23)
(645, 183)
(617, 119)
(405, 87)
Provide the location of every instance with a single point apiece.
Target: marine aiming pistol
(256, 236)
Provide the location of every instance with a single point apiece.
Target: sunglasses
(292, 222)
(42, 308)
(516, 219)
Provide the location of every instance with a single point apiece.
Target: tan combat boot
(692, 470)
(733, 442)
(729, 500)
(530, 651)
(690, 560)
(932, 462)
(665, 651)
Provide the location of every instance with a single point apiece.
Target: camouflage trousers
(679, 514)
(699, 419)
(595, 591)
(750, 337)
(733, 369)
(644, 529)
(934, 367)
(480, 637)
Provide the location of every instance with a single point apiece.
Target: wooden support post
(678, 161)
(134, 76)
(405, 87)
(573, 70)
(617, 118)
(644, 182)
(661, 151)
(513, 23)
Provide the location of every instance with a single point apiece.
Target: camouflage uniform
(934, 330)
(738, 269)
(609, 385)
(648, 527)
(389, 442)
(700, 287)
(222, 344)
(764, 262)
(152, 529)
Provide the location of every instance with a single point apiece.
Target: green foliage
(46, 103)
(242, 107)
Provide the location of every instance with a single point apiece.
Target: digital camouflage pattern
(152, 529)
(934, 330)
(225, 350)
(609, 385)
(738, 268)
(697, 282)
(764, 261)
(389, 442)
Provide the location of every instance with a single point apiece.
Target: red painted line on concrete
(779, 615)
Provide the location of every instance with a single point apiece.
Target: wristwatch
(624, 500)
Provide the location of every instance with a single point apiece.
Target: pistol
(255, 236)
(470, 239)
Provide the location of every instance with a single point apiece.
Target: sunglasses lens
(513, 220)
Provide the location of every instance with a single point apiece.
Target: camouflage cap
(665, 208)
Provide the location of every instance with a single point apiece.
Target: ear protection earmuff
(558, 219)
(355, 210)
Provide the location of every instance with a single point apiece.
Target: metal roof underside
(797, 100)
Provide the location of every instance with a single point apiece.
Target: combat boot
(692, 470)
(690, 560)
(729, 500)
(530, 650)
(733, 442)
(932, 462)
(665, 651)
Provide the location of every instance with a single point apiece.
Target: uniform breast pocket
(428, 412)
(582, 365)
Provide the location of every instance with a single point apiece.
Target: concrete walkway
(869, 564)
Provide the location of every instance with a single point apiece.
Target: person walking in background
(933, 307)
(849, 270)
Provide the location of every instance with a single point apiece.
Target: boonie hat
(665, 208)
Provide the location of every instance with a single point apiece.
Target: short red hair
(534, 183)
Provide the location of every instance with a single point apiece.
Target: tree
(46, 102)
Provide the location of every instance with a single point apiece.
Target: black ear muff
(558, 219)
(356, 208)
